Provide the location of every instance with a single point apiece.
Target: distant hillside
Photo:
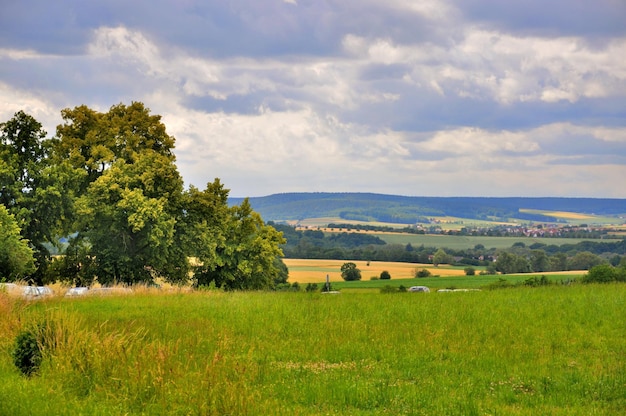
(406, 209)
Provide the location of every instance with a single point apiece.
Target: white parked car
(77, 291)
(36, 291)
(419, 289)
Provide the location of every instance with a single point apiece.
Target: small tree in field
(422, 273)
(384, 275)
(469, 271)
(350, 272)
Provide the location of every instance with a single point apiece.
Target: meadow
(464, 242)
(555, 350)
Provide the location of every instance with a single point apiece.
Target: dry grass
(315, 271)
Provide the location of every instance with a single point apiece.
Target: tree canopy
(109, 183)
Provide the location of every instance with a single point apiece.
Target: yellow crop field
(315, 271)
(560, 214)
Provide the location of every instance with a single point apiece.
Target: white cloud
(488, 64)
(13, 100)
(399, 97)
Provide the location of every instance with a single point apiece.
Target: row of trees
(537, 257)
(108, 181)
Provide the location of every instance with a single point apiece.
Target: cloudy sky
(409, 97)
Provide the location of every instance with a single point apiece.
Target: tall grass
(556, 350)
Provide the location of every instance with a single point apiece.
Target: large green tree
(16, 257)
(32, 188)
(512, 263)
(234, 249)
(109, 182)
(130, 193)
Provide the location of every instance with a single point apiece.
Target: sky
(418, 98)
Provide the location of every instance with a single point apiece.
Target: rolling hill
(410, 209)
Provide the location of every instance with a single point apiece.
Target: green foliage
(233, 245)
(385, 275)
(388, 289)
(422, 273)
(349, 272)
(16, 257)
(110, 181)
(441, 257)
(26, 352)
(30, 187)
(537, 281)
(311, 287)
(469, 271)
(584, 260)
(605, 273)
(499, 284)
(512, 263)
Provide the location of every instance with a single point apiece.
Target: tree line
(537, 257)
(109, 184)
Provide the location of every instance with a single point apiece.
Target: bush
(604, 273)
(27, 351)
(384, 275)
(327, 287)
(536, 281)
(469, 271)
(422, 273)
(311, 287)
(499, 284)
(388, 289)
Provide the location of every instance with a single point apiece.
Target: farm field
(315, 271)
(464, 242)
(576, 218)
(554, 350)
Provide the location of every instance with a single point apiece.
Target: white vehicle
(77, 291)
(31, 292)
(419, 289)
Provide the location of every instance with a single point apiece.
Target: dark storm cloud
(598, 18)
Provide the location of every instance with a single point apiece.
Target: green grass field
(466, 242)
(555, 350)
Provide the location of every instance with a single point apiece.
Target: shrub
(537, 281)
(311, 287)
(326, 287)
(27, 351)
(603, 273)
(499, 284)
(384, 275)
(469, 271)
(422, 273)
(388, 289)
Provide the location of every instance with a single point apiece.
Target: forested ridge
(410, 209)
(108, 183)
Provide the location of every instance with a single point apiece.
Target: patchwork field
(315, 271)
